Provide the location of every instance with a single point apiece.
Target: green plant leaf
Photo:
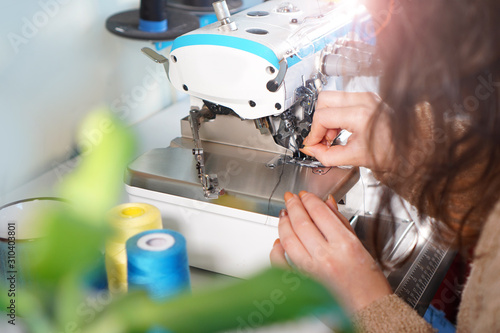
(273, 296)
(61, 261)
(106, 147)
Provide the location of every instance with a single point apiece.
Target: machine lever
(156, 57)
(274, 84)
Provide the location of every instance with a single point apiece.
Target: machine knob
(224, 16)
(287, 7)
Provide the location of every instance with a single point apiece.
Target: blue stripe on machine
(228, 41)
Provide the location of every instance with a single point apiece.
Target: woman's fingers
(310, 236)
(289, 240)
(336, 110)
(351, 154)
(348, 118)
(330, 202)
(342, 264)
(331, 134)
(298, 230)
(277, 256)
(353, 112)
(329, 223)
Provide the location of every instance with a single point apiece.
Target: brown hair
(442, 80)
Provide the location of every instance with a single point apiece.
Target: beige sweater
(480, 307)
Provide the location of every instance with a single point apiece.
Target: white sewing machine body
(234, 68)
(252, 93)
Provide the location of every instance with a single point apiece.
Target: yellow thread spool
(126, 220)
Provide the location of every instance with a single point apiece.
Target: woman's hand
(320, 241)
(337, 110)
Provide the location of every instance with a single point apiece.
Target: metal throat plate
(248, 183)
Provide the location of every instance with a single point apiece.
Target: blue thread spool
(152, 21)
(157, 262)
(153, 16)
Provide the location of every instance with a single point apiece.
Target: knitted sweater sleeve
(390, 314)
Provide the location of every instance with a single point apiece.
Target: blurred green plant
(55, 299)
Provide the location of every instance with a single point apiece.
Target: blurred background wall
(57, 63)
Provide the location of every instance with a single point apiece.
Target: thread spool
(152, 21)
(126, 220)
(153, 16)
(157, 262)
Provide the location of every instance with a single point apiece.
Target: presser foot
(211, 189)
(209, 182)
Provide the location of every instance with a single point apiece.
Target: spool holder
(148, 22)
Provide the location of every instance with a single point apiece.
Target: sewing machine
(253, 79)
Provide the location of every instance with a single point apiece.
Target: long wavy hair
(441, 78)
